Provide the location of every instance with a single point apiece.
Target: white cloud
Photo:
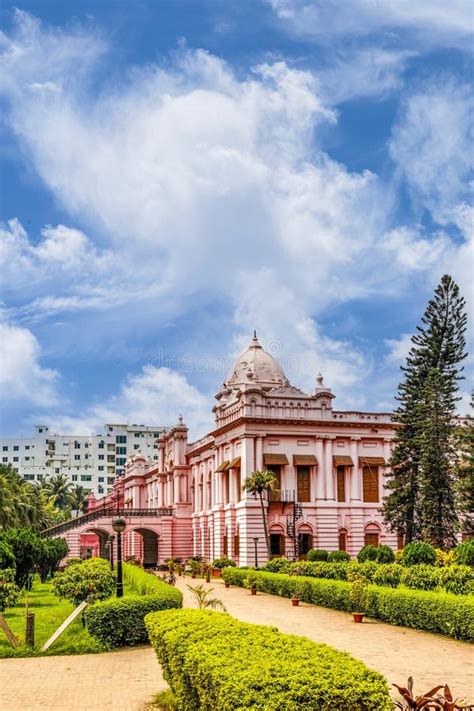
(206, 188)
(432, 146)
(431, 22)
(22, 378)
(366, 72)
(398, 349)
(155, 396)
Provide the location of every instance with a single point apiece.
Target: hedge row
(458, 579)
(119, 622)
(438, 612)
(213, 661)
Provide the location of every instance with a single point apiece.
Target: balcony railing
(286, 496)
(109, 512)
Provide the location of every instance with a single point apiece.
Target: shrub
(457, 579)
(9, 591)
(358, 594)
(212, 660)
(443, 558)
(7, 557)
(367, 553)
(91, 580)
(367, 569)
(385, 554)
(338, 557)
(141, 581)
(51, 553)
(73, 560)
(314, 555)
(278, 565)
(223, 562)
(440, 612)
(420, 577)
(415, 553)
(388, 574)
(119, 622)
(464, 553)
(26, 546)
(334, 571)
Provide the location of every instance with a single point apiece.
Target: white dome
(256, 366)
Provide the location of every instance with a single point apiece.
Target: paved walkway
(115, 681)
(125, 680)
(396, 652)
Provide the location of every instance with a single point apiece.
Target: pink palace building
(330, 466)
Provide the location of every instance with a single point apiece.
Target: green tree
(78, 498)
(90, 580)
(24, 504)
(465, 489)
(26, 547)
(51, 553)
(437, 456)
(258, 484)
(437, 347)
(58, 488)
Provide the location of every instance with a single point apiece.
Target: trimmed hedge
(213, 661)
(119, 622)
(439, 612)
(457, 579)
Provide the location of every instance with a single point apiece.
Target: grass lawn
(50, 612)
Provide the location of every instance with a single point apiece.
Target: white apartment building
(93, 461)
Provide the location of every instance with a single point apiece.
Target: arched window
(371, 535)
(342, 539)
(277, 544)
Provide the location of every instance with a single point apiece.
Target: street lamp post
(110, 541)
(118, 524)
(255, 542)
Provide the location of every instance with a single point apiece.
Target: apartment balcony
(282, 496)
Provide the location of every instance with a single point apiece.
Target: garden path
(396, 652)
(115, 681)
(126, 679)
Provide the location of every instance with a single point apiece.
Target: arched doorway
(149, 547)
(277, 542)
(305, 541)
(101, 536)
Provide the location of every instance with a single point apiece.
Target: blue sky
(177, 173)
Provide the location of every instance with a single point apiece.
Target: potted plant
(295, 599)
(251, 583)
(358, 597)
(195, 567)
(219, 563)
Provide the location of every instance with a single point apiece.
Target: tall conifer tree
(433, 364)
(466, 473)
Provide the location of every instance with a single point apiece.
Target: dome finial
(319, 379)
(254, 342)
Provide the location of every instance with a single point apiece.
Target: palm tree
(78, 498)
(201, 595)
(259, 483)
(58, 488)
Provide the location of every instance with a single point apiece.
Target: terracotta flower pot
(253, 591)
(295, 601)
(227, 585)
(358, 616)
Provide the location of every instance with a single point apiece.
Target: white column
(320, 484)
(259, 453)
(329, 470)
(387, 453)
(355, 472)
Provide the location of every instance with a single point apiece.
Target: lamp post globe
(118, 524)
